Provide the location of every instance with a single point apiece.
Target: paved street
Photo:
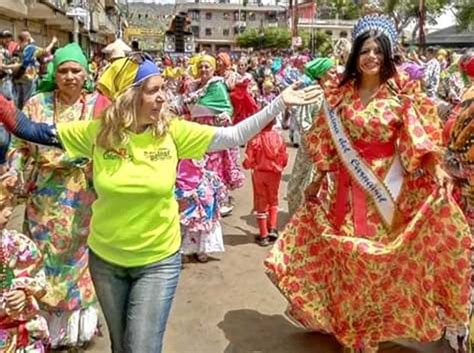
(229, 306)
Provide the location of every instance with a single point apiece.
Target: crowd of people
(126, 167)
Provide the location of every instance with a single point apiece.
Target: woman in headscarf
(59, 195)
(380, 249)
(207, 102)
(224, 69)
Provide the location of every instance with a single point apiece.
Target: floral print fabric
(410, 281)
(58, 209)
(25, 260)
(199, 194)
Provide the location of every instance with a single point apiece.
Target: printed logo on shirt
(120, 154)
(158, 155)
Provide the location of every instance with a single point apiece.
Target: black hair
(388, 69)
(398, 59)
(135, 45)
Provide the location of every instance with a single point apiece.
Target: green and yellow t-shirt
(135, 219)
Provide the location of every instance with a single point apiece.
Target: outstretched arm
(19, 125)
(227, 137)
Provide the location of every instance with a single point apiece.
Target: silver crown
(378, 23)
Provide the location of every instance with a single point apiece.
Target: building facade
(324, 18)
(147, 24)
(44, 19)
(216, 24)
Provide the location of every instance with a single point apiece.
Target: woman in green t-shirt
(135, 147)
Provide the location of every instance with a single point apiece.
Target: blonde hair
(122, 115)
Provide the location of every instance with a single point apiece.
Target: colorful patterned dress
(459, 159)
(344, 272)
(58, 211)
(199, 194)
(210, 105)
(27, 332)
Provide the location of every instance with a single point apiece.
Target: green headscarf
(70, 52)
(317, 67)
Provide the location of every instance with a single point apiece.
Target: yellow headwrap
(442, 52)
(209, 59)
(193, 65)
(267, 84)
(173, 72)
(117, 77)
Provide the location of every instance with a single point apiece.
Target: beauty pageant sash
(383, 193)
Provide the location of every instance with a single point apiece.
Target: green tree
(405, 11)
(248, 38)
(464, 13)
(342, 9)
(322, 42)
(266, 38)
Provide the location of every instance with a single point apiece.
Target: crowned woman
(380, 250)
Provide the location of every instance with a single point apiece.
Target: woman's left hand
(15, 301)
(443, 178)
(294, 96)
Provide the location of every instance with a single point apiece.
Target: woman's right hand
(292, 95)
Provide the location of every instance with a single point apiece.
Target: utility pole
(421, 10)
(76, 11)
(75, 34)
(294, 19)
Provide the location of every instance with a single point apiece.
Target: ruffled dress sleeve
(420, 136)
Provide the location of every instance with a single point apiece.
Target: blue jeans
(22, 91)
(136, 301)
(7, 88)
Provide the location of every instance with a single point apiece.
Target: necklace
(82, 99)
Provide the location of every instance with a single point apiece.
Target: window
(236, 16)
(208, 32)
(195, 31)
(208, 15)
(226, 16)
(225, 32)
(251, 16)
(195, 15)
(271, 16)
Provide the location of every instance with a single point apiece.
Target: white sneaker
(226, 210)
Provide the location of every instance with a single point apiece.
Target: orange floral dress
(345, 272)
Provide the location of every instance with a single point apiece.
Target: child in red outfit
(266, 156)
